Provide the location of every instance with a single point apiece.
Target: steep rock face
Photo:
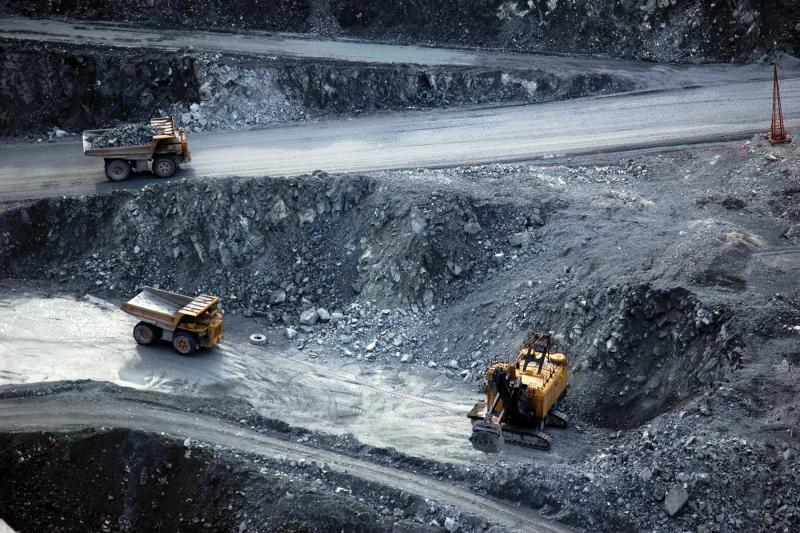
(661, 30)
(331, 241)
(42, 87)
(287, 15)
(328, 240)
(145, 482)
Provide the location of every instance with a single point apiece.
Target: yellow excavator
(522, 396)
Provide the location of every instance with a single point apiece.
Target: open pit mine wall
(266, 244)
(47, 86)
(657, 29)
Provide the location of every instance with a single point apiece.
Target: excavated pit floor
(670, 279)
(415, 410)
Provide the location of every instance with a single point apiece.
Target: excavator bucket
(486, 436)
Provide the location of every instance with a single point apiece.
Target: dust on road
(420, 412)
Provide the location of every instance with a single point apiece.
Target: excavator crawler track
(557, 418)
(527, 437)
(489, 437)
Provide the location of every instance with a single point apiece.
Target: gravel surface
(124, 135)
(205, 91)
(660, 30)
(669, 280)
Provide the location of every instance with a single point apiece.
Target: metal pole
(777, 132)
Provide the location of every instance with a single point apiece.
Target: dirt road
(682, 104)
(417, 410)
(431, 139)
(51, 413)
(60, 338)
(271, 45)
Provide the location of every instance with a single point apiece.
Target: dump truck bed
(165, 309)
(137, 151)
(166, 130)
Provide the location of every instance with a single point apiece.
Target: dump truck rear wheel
(146, 334)
(164, 167)
(184, 342)
(117, 169)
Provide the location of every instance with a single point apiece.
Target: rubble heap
(125, 135)
(681, 330)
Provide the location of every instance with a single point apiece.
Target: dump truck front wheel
(146, 334)
(164, 167)
(184, 342)
(117, 169)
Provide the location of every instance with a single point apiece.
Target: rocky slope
(141, 482)
(46, 87)
(669, 280)
(662, 30)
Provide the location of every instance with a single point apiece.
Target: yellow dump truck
(167, 149)
(188, 323)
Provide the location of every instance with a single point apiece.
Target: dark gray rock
(675, 500)
(124, 135)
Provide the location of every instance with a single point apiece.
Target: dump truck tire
(164, 167)
(146, 334)
(117, 169)
(258, 339)
(184, 342)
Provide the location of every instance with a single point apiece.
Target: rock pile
(124, 135)
(683, 472)
(678, 409)
(683, 468)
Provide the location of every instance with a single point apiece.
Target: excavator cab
(535, 350)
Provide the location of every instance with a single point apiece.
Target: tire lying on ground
(258, 339)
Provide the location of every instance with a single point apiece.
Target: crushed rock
(124, 135)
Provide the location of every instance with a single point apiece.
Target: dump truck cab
(207, 326)
(188, 323)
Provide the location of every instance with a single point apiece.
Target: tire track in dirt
(55, 413)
